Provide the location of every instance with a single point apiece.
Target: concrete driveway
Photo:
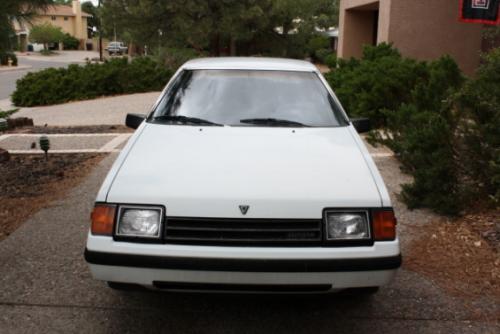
(109, 110)
(45, 287)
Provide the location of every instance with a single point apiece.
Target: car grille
(246, 232)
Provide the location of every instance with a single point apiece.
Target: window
(53, 18)
(228, 96)
(65, 18)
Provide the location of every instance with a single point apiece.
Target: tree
(46, 33)
(237, 27)
(20, 10)
(93, 21)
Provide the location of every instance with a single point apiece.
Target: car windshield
(250, 98)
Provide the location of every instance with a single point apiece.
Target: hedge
(116, 76)
(443, 127)
(381, 79)
(70, 42)
(5, 56)
(479, 130)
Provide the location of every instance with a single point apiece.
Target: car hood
(278, 172)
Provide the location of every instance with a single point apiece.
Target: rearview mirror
(134, 120)
(361, 125)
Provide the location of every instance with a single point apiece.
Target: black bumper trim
(243, 265)
(242, 287)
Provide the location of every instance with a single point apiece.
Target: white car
(118, 48)
(247, 175)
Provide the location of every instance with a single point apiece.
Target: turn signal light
(103, 217)
(384, 225)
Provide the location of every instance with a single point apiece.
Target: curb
(15, 68)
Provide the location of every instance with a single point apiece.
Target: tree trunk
(286, 27)
(216, 45)
(232, 46)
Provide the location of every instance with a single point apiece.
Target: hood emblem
(244, 209)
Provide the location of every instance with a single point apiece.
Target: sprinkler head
(3, 124)
(44, 144)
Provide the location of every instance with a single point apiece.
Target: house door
(23, 43)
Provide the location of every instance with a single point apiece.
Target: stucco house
(71, 19)
(421, 29)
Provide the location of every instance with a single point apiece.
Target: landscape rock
(19, 122)
(4, 155)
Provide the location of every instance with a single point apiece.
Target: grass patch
(7, 113)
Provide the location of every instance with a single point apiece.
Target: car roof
(249, 63)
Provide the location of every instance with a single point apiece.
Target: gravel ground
(46, 287)
(103, 111)
(31, 182)
(56, 143)
(72, 129)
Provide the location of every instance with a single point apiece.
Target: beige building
(71, 19)
(421, 29)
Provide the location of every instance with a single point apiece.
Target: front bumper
(244, 269)
(243, 265)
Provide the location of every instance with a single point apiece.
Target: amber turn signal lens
(384, 225)
(103, 217)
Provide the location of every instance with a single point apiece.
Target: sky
(93, 1)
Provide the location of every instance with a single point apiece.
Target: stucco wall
(66, 26)
(355, 26)
(358, 31)
(422, 29)
(427, 29)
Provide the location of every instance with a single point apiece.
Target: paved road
(8, 79)
(45, 287)
(37, 62)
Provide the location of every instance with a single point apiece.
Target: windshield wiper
(271, 121)
(184, 120)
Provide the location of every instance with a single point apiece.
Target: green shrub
(47, 52)
(14, 58)
(7, 113)
(479, 129)
(175, 57)
(426, 150)
(331, 60)
(318, 42)
(382, 79)
(70, 42)
(413, 105)
(322, 54)
(117, 76)
(318, 48)
(422, 134)
(5, 56)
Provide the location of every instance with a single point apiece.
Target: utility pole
(160, 33)
(100, 31)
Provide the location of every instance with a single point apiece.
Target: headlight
(139, 221)
(347, 225)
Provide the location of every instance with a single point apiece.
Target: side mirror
(134, 120)
(361, 125)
